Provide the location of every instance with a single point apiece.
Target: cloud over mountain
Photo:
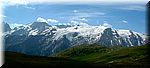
(40, 19)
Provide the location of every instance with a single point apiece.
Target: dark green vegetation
(85, 55)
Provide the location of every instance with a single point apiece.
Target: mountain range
(42, 39)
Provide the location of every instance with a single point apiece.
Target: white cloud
(52, 20)
(15, 25)
(40, 19)
(107, 25)
(134, 7)
(124, 21)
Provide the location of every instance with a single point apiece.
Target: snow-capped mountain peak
(40, 38)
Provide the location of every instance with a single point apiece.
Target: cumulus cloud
(124, 21)
(40, 19)
(52, 20)
(107, 25)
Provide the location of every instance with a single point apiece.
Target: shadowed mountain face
(42, 39)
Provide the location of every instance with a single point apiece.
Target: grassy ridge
(84, 56)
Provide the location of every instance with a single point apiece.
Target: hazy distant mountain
(42, 39)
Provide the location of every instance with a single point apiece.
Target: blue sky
(119, 16)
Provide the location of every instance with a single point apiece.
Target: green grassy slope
(136, 55)
(84, 56)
